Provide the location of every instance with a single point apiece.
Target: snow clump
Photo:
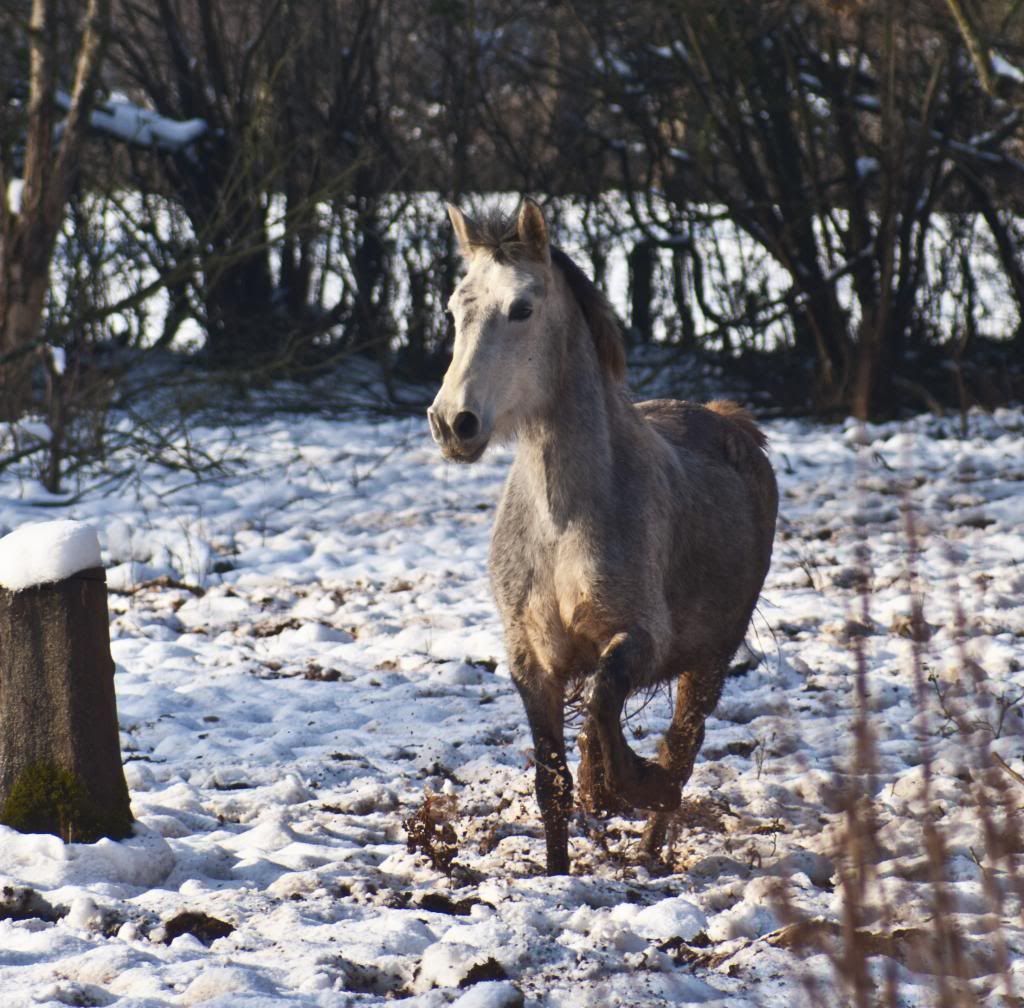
(46, 552)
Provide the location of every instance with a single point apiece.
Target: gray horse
(632, 540)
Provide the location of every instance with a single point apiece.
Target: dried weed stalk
(870, 942)
(430, 832)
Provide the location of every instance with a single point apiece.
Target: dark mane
(497, 234)
(599, 314)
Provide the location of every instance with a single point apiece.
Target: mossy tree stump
(60, 755)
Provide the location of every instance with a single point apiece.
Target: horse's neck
(567, 455)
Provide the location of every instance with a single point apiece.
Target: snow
(141, 126)
(306, 648)
(59, 359)
(45, 552)
(867, 166)
(15, 188)
(675, 917)
(1002, 67)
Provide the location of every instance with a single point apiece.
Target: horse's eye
(519, 312)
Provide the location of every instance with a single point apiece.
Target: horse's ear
(532, 231)
(464, 229)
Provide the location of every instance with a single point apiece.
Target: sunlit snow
(308, 647)
(42, 552)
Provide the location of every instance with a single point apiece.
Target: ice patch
(47, 552)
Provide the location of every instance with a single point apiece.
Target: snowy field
(307, 649)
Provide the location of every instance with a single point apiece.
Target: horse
(632, 539)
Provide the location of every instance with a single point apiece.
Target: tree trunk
(27, 237)
(24, 270)
(641, 291)
(680, 294)
(242, 326)
(60, 758)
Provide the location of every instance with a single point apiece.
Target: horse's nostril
(466, 426)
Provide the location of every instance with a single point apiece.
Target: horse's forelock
(497, 234)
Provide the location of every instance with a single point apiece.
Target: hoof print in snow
(23, 903)
(320, 674)
(451, 964)
(489, 969)
(439, 902)
(273, 627)
(366, 978)
(202, 926)
(687, 953)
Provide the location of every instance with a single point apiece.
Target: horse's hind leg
(625, 666)
(544, 701)
(696, 698)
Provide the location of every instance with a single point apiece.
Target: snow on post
(60, 758)
(45, 552)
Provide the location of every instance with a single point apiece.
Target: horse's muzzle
(462, 440)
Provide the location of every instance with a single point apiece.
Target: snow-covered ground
(307, 650)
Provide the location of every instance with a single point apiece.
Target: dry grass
(430, 832)
(960, 955)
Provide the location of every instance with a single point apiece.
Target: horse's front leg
(544, 699)
(696, 697)
(596, 794)
(626, 665)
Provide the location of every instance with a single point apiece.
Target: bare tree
(298, 111)
(29, 229)
(838, 142)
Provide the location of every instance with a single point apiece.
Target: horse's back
(721, 429)
(722, 433)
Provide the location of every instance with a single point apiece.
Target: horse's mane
(497, 234)
(599, 314)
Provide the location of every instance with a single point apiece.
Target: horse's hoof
(656, 791)
(599, 800)
(652, 844)
(647, 786)
(652, 788)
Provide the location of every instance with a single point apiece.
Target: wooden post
(60, 756)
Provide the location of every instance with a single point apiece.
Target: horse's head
(504, 357)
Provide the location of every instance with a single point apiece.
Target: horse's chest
(550, 599)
